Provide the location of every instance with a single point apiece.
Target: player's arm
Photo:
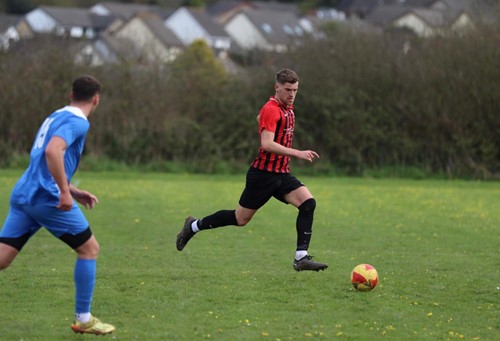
(54, 155)
(85, 198)
(269, 145)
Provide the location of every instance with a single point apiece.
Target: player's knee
(243, 217)
(8, 252)
(242, 221)
(308, 206)
(94, 249)
(89, 250)
(4, 263)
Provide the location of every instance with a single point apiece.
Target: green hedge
(366, 103)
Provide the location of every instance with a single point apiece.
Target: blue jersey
(36, 185)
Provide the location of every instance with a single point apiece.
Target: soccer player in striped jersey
(269, 176)
(44, 196)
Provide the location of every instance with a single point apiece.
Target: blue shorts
(25, 221)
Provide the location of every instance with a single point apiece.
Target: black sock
(304, 224)
(218, 219)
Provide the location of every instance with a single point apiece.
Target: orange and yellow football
(364, 277)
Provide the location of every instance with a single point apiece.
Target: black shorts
(262, 185)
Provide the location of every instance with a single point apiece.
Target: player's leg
(306, 204)
(72, 228)
(15, 233)
(84, 276)
(302, 198)
(239, 217)
(7, 255)
(258, 190)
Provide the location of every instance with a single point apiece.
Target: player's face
(285, 93)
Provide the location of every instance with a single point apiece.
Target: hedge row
(365, 102)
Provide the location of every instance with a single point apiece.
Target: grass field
(434, 243)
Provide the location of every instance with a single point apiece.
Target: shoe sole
(77, 330)
(317, 270)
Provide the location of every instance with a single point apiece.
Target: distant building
(67, 21)
(12, 29)
(190, 24)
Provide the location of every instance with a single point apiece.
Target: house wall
(244, 33)
(144, 42)
(7, 37)
(221, 43)
(186, 28)
(88, 56)
(414, 23)
(40, 21)
(24, 29)
(106, 51)
(463, 21)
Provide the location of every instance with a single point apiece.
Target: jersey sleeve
(72, 129)
(269, 116)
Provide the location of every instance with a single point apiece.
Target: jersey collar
(75, 111)
(272, 98)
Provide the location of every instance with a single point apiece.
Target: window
(288, 30)
(267, 28)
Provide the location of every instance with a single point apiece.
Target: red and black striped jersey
(277, 118)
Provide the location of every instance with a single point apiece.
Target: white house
(423, 21)
(12, 29)
(190, 24)
(123, 10)
(149, 38)
(268, 30)
(69, 21)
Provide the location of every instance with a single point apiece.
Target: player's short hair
(85, 87)
(286, 76)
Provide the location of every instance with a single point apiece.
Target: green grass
(434, 243)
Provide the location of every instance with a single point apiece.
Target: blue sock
(84, 275)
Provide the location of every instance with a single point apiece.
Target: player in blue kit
(43, 196)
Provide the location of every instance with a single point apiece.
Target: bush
(367, 103)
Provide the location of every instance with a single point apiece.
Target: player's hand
(85, 198)
(65, 201)
(308, 155)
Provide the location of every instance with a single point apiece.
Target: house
(462, 20)
(13, 28)
(142, 39)
(190, 24)
(422, 21)
(267, 30)
(329, 14)
(357, 8)
(88, 54)
(125, 11)
(67, 21)
(149, 39)
(222, 11)
(106, 49)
